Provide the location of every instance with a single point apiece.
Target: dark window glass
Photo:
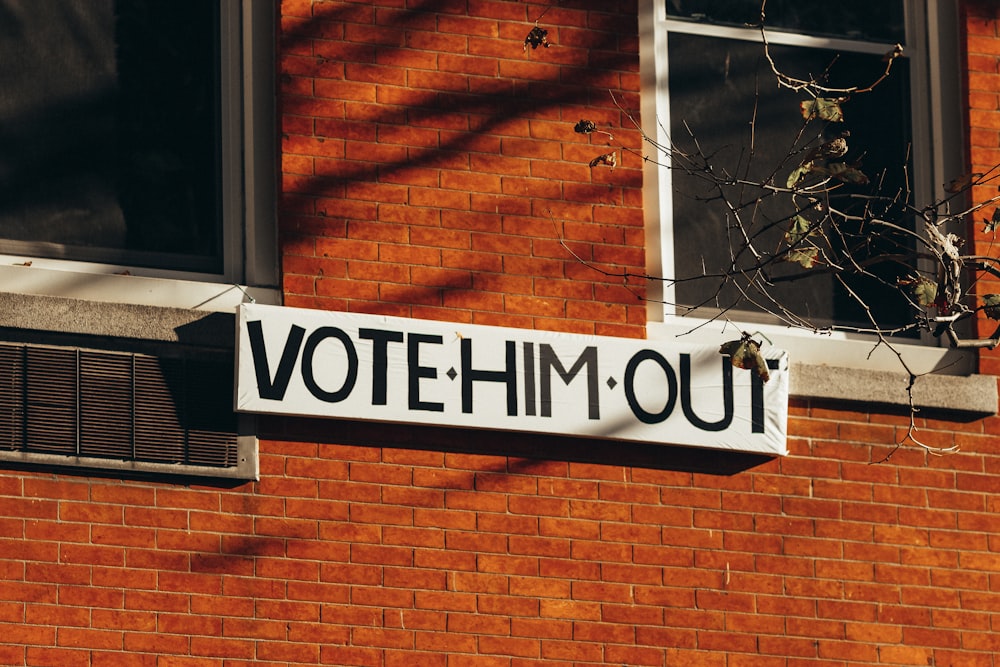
(716, 87)
(873, 20)
(109, 116)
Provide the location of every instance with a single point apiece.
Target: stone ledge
(117, 320)
(972, 395)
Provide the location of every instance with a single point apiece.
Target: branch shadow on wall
(531, 447)
(310, 200)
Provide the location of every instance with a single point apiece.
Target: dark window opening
(716, 87)
(109, 118)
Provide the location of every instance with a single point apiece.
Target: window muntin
(170, 165)
(714, 78)
(879, 21)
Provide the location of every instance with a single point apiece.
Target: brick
(57, 574)
(164, 645)
(43, 614)
(190, 583)
(288, 651)
(481, 583)
(514, 565)
(558, 568)
(507, 524)
(12, 654)
(413, 537)
(89, 639)
(904, 655)
(115, 535)
(634, 655)
(55, 656)
(228, 648)
(726, 520)
(50, 531)
(160, 518)
(55, 489)
(539, 546)
(349, 655)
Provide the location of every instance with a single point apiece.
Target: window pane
(716, 88)
(872, 20)
(109, 111)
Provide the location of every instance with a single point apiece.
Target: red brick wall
(354, 554)
(431, 168)
(424, 151)
(982, 53)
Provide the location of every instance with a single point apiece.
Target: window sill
(113, 285)
(246, 470)
(973, 396)
(137, 322)
(856, 370)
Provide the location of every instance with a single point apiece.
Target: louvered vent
(110, 405)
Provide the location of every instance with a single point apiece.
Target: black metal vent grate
(111, 405)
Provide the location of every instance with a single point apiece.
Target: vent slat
(106, 405)
(159, 432)
(211, 439)
(50, 400)
(11, 397)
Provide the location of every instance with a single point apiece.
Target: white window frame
(936, 127)
(248, 193)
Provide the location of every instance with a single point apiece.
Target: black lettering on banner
(508, 376)
(727, 396)
(529, 379)
(308, 370)
(380, 359)
(757, 398)
(630, 368)
(273, 391)
(548, 360)
(416, 371)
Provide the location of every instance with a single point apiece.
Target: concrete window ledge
(973, 396)
(117, 320)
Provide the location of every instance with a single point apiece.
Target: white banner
(332, 364)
